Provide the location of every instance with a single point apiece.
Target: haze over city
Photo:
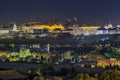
(98, 12)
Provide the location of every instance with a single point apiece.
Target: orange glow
(50, 28)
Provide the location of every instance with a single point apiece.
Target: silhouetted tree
(82, 76)
(111, 75)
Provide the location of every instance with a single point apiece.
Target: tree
(34, 72)
(38, 78)
(113, 52)
(94, 56)
(82, 76)
(28, 58)
(97, 49)
(24, 53)
(13, 56)
(45, 78)
(64, 71)
(67, 54)
(56, 78)
(111, 75)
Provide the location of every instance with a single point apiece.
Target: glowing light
(50, 28)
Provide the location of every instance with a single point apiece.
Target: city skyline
(88, 12)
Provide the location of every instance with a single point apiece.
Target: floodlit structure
(95, 30)
(85, 30)
(49, 28)
(13, 29)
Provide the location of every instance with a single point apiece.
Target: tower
(110, 25)
(48, 48)
(14, 27)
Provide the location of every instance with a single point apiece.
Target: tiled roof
(11, 74)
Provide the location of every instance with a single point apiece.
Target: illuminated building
(100, 31)
(4, 31)
(95, 30)
(111, 61)
(89, 30)
(38, 27)
(14, 30)
(118, 29)
(85, 30)
(70, 31)
(109, 29)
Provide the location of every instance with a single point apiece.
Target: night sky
(97, 12)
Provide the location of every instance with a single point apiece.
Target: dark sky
(87, 11)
